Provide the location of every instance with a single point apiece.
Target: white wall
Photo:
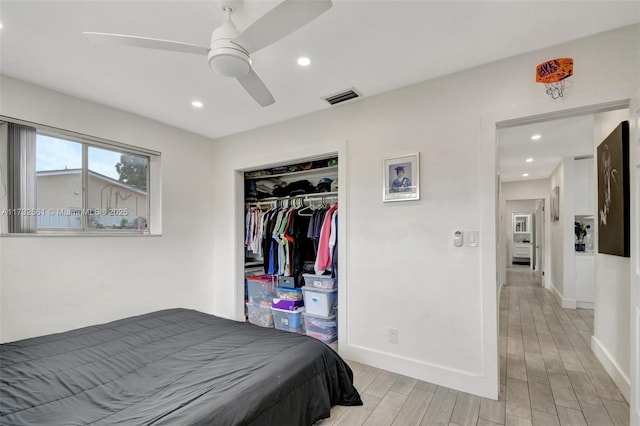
(401, 268)
(567, 220)
(612, 319)
(556, 267)
(526, 190)
(562, 247)
(51, 284)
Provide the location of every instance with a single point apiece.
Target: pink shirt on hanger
(323, 260)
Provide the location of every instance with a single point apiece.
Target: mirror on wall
(521, 223)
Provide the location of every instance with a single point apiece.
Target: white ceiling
(374, 46)
(568, 137)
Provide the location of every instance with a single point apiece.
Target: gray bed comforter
(175, 366)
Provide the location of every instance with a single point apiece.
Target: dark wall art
(613, 193)
(555, 204)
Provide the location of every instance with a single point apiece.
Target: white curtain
(21, 170)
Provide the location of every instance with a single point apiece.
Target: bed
(175, 366)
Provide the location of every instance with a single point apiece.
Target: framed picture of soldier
(401, 178)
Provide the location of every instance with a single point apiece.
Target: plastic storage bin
(288, 320)
(286, 281)
(288, 299)
(320, 325)
(319, 301)
(261, 289)
(320, 281)
(287, 305)
(289, 293)
(325, 338)
(260, 315)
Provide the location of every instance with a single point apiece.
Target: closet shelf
(318, 171)
(315, 195)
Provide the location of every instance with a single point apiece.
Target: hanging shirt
(256, 243)
(275, 243)
(301, 246)
(315, 226)
(334, 268)
(323, 261)
(247, 229)
(283, 246)
(333, 236)
(289, 237)
(267, 241)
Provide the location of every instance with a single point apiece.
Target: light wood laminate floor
(548, 375)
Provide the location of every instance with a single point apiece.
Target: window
(58, 183)
(117, 190)
(61, 182)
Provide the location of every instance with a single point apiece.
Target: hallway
(548, 375)
(546, 363)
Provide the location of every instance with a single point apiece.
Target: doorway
(563, 268)
(523, 234)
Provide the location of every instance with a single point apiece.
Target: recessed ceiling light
(535, 137)
(0, 25)
(529, 160)
(304, 61)
(197, 104)
(525, 174)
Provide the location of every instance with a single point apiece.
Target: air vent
(342, 96)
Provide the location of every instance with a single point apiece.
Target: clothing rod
(317, 195)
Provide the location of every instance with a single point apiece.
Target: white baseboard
(565, 303)
(586, 305)
(465, 381)
(609, 363)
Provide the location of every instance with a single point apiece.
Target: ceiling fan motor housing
(226, 57)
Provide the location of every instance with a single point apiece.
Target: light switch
(472, 238)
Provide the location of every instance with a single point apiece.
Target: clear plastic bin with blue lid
(320, 281)
(288, 320)
(320, 301)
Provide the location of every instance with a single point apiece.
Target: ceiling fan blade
(256, 88)
(149, 43)
(280, 21)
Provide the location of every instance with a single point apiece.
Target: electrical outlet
(393, 335)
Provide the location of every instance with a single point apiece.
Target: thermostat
(457, 239)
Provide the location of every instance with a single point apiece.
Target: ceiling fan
(229, 50)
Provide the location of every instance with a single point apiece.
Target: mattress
(174, 366)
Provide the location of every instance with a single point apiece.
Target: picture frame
(401, 178)
(614, 217)
(555, 204)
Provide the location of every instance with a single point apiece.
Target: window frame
(152, 175)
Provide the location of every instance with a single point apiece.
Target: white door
(532, 256)
(539, 239)
(634, 151)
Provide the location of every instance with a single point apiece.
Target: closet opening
(290, 244)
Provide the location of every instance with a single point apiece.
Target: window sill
(81, 234)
